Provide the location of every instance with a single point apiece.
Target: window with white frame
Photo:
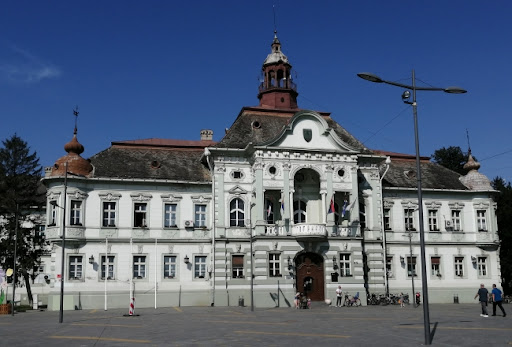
(435, 266)
(269, 211)
(76, 212)
(200, 215)
(459, 266)
(237, 265)
(169, 266)
(411, 266)
(299, 211)
(456, 220)
(236, 213)
(409, 219)
(481, 265)
(75, 267)
(53, 213)
(107, 266)
(139, 266)
(199, 266)
(432, 220)
(170, 215)
(140, 215)
(387, 219)
(389, 266)
(481, 220)
(345, 265)
(274, 265)
(109, 213)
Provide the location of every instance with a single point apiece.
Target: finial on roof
(74, 146)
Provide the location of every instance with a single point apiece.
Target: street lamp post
(405, 97)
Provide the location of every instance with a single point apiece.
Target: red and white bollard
(132, 307)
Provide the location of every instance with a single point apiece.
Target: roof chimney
(206, 134)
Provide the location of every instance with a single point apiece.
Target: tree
(452, 158)
(20, 175)
(504, 202)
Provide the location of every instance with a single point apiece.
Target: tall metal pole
(15, 247)
(424, 287)
(63, 261)
(412, 271)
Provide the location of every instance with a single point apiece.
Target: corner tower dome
(277, 91)
(474, 180)
(76, 164)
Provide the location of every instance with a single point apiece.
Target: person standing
(402, 303)
(339, 295)
(483, 295)
(496, 300)
(297, 300)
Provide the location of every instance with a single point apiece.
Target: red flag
(331, 205)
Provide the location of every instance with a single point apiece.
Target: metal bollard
(455, 298)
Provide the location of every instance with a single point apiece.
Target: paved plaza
(453, 325)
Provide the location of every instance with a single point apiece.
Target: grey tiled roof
(147, 162)
(271, 123)
(402, 173)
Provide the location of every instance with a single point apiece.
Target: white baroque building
(286, 201)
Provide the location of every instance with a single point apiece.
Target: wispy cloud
(23, 67)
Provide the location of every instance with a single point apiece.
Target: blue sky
(167, 69)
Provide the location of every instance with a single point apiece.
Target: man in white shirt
(339, 295)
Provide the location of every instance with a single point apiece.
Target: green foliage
(504, 202)
(452, 158)
(20, 175)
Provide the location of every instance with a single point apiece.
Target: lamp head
(370, 77)
(455, 90)
(406, 96)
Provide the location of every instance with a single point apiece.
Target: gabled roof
(258, 125)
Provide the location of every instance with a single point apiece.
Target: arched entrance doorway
(310, 275)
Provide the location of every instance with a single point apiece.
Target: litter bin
(456, 298)
(241, 301)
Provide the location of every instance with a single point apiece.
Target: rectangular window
(274, 265)
(140, 215)
(109, 214)
(169, 266)
(459, 266)
(345, 265)
(411, 266)
(435, 263)
(409, 219)
(75, 267)
(53, 213)
(432, 220)
(200, 216)
(76, 213)
(387, 219)
(480, 220)
(456, 220)
(139, 266)
(107, 265)
(199, 266)
(482, 266)
(237, 262)
(170, 215)
(389, 266)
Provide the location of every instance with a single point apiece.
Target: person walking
(483, 295)
(339, 295)
(402, 304)
(297, 300)
(496, 300)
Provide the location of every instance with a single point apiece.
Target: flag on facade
(269, 209)
(344, 209)
(331, 205)
(282, 204)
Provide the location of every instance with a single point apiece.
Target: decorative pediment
(141, 196)
(200, 199)
(171, 197)
(53, 195)
(456, 205)
(77, 195)
(388, 203)
(410, 204)
(109, 196)
(433, 205)
(481, 205)
(237, 190)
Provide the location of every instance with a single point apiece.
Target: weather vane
(467, 135)
(75, 113)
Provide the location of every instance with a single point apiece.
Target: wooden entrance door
(310, 276)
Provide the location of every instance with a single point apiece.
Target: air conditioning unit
(189, 224)
(448, 224)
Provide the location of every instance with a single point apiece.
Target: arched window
(299, 211)
(269, 211)
(236, 210)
